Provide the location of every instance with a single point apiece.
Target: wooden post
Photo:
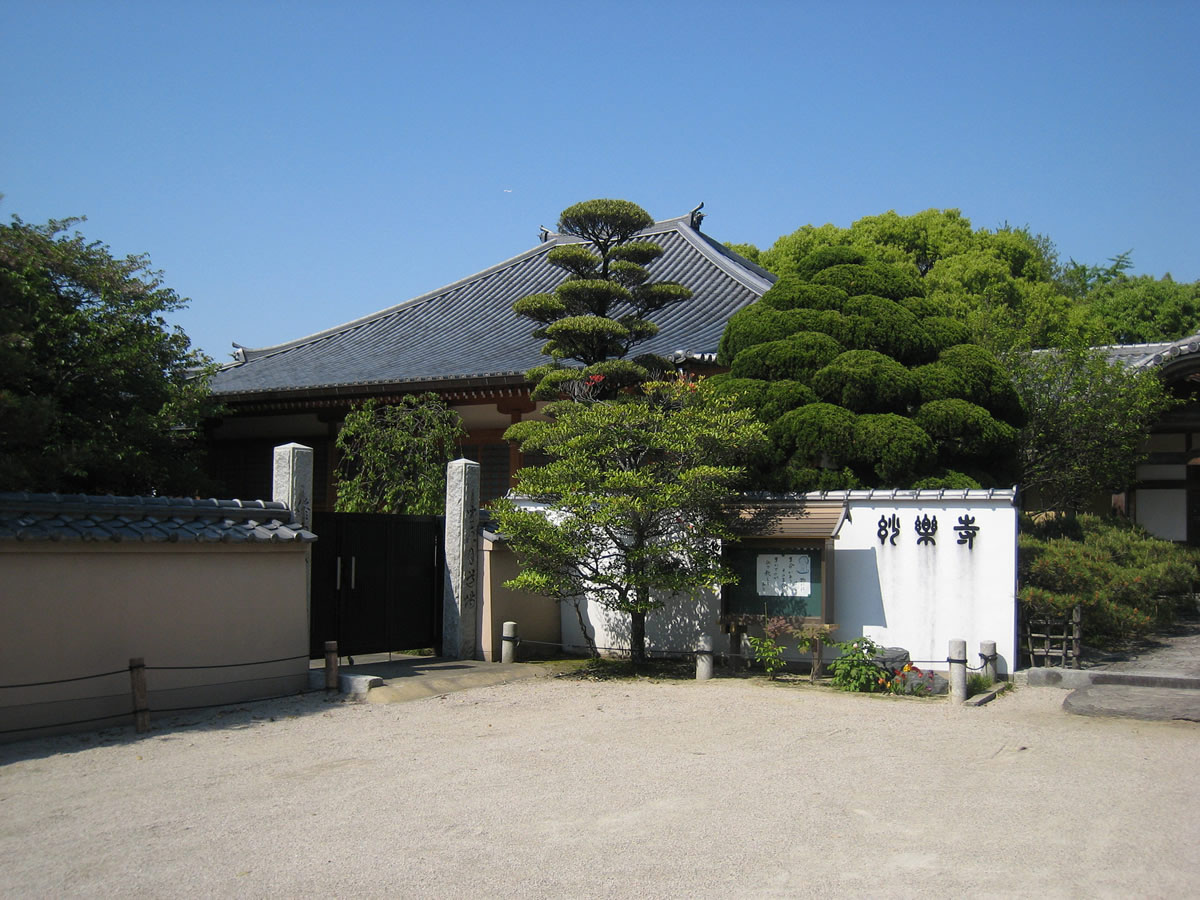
(508, 643)
(331, 666)
(735, 647)
(987, 649)
(704, 658)
(818, 660)
(141, 706)
(1076, 636)
(958, 670)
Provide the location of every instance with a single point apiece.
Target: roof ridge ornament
(545, 233)
(695, 217)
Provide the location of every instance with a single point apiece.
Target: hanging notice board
(776, 579)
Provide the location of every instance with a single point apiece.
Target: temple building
(463, 342)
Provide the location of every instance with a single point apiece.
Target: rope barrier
(66, 680)
(261, 662)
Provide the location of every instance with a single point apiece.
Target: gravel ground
(554, 787)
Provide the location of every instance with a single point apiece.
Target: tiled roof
(77, 517)
(467, 330)
(1144, 355)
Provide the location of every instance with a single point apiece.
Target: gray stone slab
(1135, 702)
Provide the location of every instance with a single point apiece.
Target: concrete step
(1072, 679)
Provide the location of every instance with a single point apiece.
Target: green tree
(1087, 418)
(1143, 309)
(639, 493)
(98, 394)
(600, 312)
(393, 457)
(864, 381)
(1005, 284)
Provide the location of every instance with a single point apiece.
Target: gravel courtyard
(552, 787)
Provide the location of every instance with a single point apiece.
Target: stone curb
(989, 695)
(356, 686)
(1071, 679)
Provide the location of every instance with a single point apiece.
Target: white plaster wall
(920, 596)
(1163, 513)
(676, 627)
(910, 595)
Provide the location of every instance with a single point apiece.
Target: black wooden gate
(376, 583)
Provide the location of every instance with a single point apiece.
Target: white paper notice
(784, 575)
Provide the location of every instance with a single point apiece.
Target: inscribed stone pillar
(461, 594)
(293, 480)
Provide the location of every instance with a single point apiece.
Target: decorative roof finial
(545, 233)
(695, 217)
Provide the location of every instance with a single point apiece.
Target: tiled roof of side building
(1157, 354)
(80, 517)
(467, 330)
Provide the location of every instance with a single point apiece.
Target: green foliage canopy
(601, 311)
(98, 394)
(864, 350)
(638, 490)
(393, 457)
(1087, 418)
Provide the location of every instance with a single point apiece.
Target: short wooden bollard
(141, 705)
(958, 671)
(987, 650)
(508, 643)
(331, 666)
(704, 658)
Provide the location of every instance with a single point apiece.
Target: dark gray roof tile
(55, 517)
(468, 329)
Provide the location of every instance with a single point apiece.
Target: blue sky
(291, 166)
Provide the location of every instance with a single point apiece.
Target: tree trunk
(637, 636)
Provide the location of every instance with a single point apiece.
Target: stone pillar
(958, 670)
(293, 480)
(704, 658)
(460, 596)
(987, 650)
(508, 643)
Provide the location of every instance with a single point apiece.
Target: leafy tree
(638, 492)
(393, 458)
(97, 393)
(1144, 309)
(600, 312)
(854, 370)
(1087, 417)
(1005, 284)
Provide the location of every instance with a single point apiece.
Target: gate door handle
(353, 570)
(338, 582)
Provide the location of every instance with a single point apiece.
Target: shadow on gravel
(174, 726)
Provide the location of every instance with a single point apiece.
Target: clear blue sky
(294, 165)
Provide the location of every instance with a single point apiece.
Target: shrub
(942, 331)
(797, 358)
(853, 279)
(894, 447)
(891, 329)
(970, 372)
(962, 429)
(784, 396)
(1124, 580)
(800, 476)
(827, 257)
(816, 432)
(755, 324)
(856, 670)
(791, 292)
(865, 381)
(948, 480)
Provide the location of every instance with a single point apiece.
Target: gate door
(376, 583)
